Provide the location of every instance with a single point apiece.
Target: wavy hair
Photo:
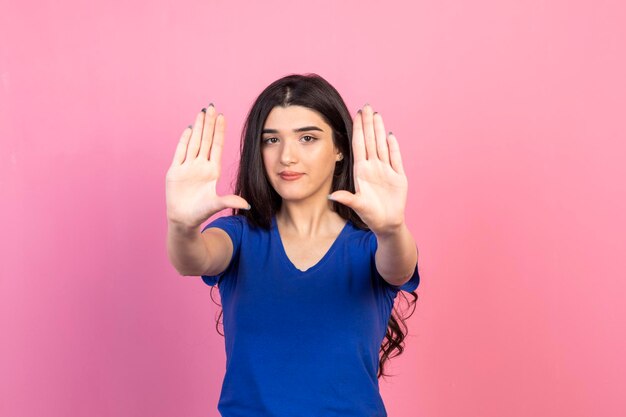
(314, 92)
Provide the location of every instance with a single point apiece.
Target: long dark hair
(314, 92)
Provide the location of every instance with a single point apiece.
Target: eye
(311, 137)
(306, 139)
(268, 140)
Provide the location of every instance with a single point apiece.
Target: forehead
(292, 117)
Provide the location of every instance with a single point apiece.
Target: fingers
(369, 136)
(205, 139)
(394, 154)
(358, 142)
(368, 132)
(381, 138)
(181, 148)
(207, 132)
(346, 198)
(234, 201)
(196, 135)
(218, 139)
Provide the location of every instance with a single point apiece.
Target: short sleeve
(233, 225)
(409, 286)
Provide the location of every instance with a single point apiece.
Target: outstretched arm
(381, 193)
(396, 256)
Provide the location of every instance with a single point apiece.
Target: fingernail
(204, 109)
(189, 126)
(390, 132)
(249, 206)
(330, 197)
(359, 111)
(211, 105)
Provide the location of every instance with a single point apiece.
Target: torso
(306, 253)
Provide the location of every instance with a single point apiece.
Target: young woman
(310, 261)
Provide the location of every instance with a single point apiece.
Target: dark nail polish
(204, 109)
(211, 105)
(359, 111)
(189, 126)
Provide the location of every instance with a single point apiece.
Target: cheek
(321, 158)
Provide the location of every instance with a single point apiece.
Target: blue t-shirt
(302, 343)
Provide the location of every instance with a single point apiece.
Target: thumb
(234, 201)
(344, 197)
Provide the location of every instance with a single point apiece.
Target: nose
(288, 153)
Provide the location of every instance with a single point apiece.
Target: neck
(306, 219)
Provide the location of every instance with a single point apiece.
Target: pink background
(510, 118)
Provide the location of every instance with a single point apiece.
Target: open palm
(191, 180)
(380, 182)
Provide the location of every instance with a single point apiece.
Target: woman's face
(296, 139)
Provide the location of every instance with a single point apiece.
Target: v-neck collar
(320, 263)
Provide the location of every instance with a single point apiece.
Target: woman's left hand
(380, 183)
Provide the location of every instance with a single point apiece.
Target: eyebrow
(300, 129)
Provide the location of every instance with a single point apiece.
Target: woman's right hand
(191, 180)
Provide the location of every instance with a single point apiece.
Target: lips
(288, 175)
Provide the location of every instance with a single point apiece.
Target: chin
(299, 196)
(291, 197)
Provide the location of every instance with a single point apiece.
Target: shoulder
(360, 236)
(235, 227)
(363, 243)
(228, 221)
